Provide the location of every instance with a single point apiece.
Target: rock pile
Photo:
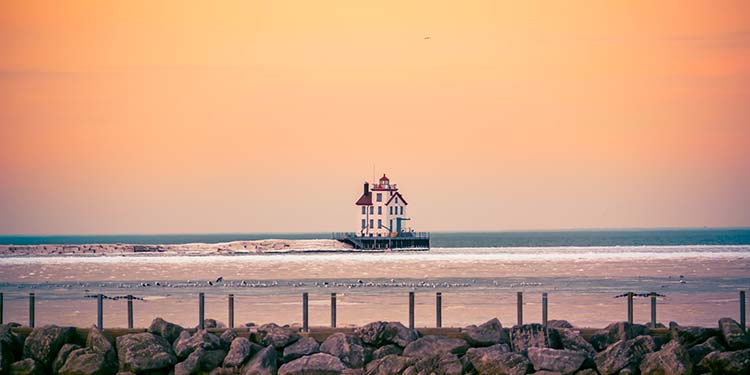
(379, 348)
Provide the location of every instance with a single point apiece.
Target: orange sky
(177, 116)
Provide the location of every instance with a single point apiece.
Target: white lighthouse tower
(382, 210)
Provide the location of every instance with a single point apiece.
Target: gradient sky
(249, 116)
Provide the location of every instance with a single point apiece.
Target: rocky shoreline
(377, 348)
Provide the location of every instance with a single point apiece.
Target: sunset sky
(250, 116)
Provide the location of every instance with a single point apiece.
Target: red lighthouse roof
(384, 178)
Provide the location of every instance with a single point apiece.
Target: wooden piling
(630, 307)
(742, 310)
(305, 316)
(100, 311)
(230, 309)
(653, 311)
(519, 301)
(411, 310)
(333, 310)
(544, 309)
(32, 318)
(130, 311)
(439, 310)
(201, 311)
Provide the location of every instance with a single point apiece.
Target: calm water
(624, 237)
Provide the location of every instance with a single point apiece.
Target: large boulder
(533, 335)
(442, 363)
(98, 357)
(10, 348)
(43, 343)
(28, 366)
(348, 348)
(141, 352)
(227, 337)
(690, 335)
(671, 359)
(388, 364)
(186, 344)
(698, 352)
(239, 350)
(562, 361)
(497, 359)
(432, 345)
(279, 337)
(381, 333)
(316, 364)
(262, 363)
(304, 346)
(200, 361)
(736, 362)
(559, 324)
(386, 350)
(733, 334)
(163, 328)
(62, 356)
(571, 339)
(624, 355)
(616, 332)
(486, 334)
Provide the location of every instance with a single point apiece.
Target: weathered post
(31, 310)
(519, 300)
(100, 311)
(130, 311)
(742, 309)
(305, 316)
(333, 310)
(230, 307)
(411, 310)
(438, 309)
(653, 310)
(630, 307)
(201, 320)
(1, 308)
(544, 309)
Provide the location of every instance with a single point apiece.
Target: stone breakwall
(377, 348)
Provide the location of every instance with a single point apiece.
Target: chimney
(367, 188)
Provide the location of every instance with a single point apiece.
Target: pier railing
(349, 235)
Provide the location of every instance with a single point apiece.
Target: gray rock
(382, 333)
(442, 363)
(239, 350)
(10, 348)
(733, 334)
(227, 337)
(616, 332)
(212, 323)
(563, 361)
(163, 328)
(316, 364)
(671, 359)
(43, 343)
(62, 356)
(279, 337)
(304, 346)
(87, 361)
(429, 346)
(497, 359)
(571, 339)
(689, 335)
(200, 361)
(587, 371)
(28, 366)
(698, 352)
(140, 352)
(559, 324)
(262, 363)
(347, 348)
(225, 371)
(388, 364)
(387, 350)
(624, 355)
(486, 334)
(529, 336)
(186, 344)
(736, 362)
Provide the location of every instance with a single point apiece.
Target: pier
(402, 241)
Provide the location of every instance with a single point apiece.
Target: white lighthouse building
(382, 210)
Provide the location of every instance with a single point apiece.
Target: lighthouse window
(380, 197)
(402, 210)
(364, 223)
(371, 223)
(390, 210)
(380, 223)
(396, 200)
(380, 210)
(364, 210)
(371, 209)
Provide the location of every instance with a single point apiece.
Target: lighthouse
(381, 210)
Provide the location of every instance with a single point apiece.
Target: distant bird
(211, 283)
(220, 279)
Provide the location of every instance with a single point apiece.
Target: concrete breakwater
(377, 348)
